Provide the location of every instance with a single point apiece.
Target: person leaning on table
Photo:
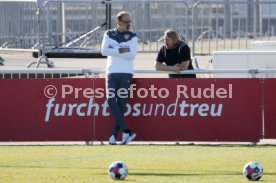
(174, 56)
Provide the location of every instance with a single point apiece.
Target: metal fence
(206, 25)
(231, 25)
(61, 22)
(94, 73)
(18, 24)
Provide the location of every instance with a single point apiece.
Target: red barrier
(269, 108)
(238, 119)
(193, 110)
(23, 112)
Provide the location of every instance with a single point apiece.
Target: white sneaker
(127, 137)
(112, 140)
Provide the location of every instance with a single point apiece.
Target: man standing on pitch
(120, 45)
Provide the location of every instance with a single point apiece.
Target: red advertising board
(233, 116)
(269, 108)
(24, 111)
(158, 110)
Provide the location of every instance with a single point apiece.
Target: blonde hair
(173, 35)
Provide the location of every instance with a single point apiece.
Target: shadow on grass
(141, 172)
(195, 173)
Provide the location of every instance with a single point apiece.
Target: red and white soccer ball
(118, 170)
(253, 171)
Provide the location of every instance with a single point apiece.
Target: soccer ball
(118, 170)
(253, 171)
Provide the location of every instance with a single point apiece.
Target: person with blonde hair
(174, 56)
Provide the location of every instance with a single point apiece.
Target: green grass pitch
(146, 163)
